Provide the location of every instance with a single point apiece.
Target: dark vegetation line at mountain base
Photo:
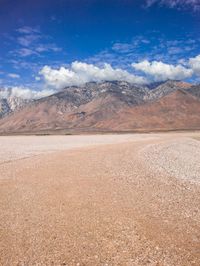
(97, 132)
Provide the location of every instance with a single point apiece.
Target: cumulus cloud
(179, 4)
(160, 71)
(79, 73)
(194, 63)
(3, 93)
(25, 93)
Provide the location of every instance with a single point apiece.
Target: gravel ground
(179, 158)
(99, 205)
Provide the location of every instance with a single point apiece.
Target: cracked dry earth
(128, 203)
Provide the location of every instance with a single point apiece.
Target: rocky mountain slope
(166, 88)
(4, 107)
(10, 103)
(109, 106)
(177, 110)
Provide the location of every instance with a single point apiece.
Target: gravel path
(100, 205)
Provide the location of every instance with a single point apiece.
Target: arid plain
(131, 199)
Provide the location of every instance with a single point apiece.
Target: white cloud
(123, 47)
(179, 4)
(37, 78)
(149, 3)
(24, 52)
(47, 47)
(160, 71)
(32, 42)
(79, 73)
(13, 76)
(194, 63)
(27, 39)
(28, 30)
(3, 93)
(27, 93)
(24, 93)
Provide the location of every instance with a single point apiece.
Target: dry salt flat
(100, 200)
(19, 147)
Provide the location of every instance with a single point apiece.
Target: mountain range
(104, 107)
(10, 103)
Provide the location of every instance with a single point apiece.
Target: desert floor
(100, 200)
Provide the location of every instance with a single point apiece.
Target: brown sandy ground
(100, 205)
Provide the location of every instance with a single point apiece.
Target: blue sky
(64, 41)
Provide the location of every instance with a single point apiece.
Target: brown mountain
(110, 106)
(177, 110)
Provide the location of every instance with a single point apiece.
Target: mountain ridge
(109, 106)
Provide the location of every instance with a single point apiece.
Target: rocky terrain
(179, 158)
(107, 106)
